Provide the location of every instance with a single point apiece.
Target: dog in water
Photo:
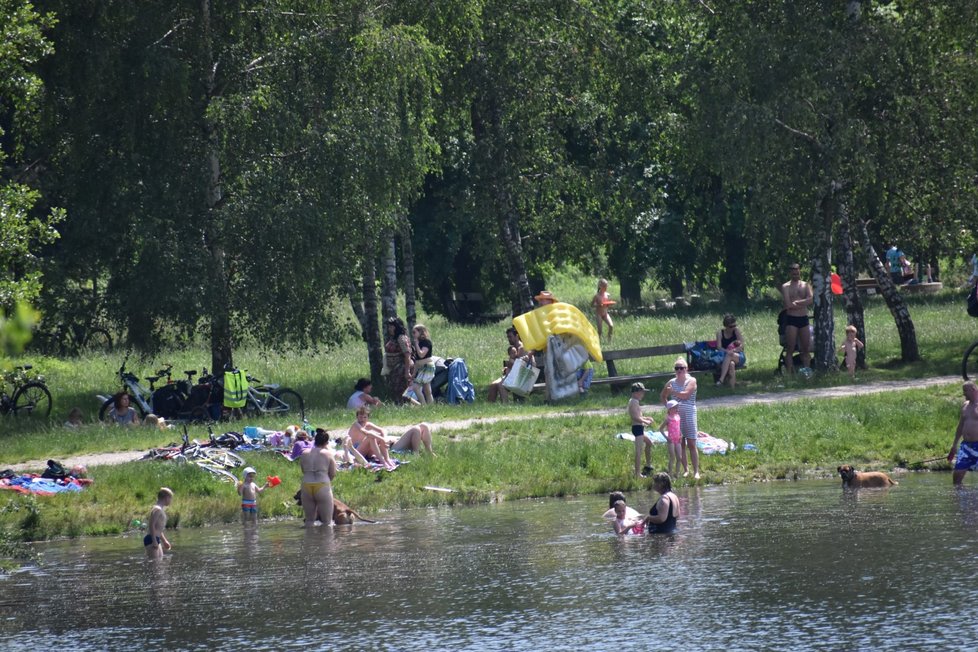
(853, 479)
(343, 514)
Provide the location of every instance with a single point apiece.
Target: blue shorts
(967, 456)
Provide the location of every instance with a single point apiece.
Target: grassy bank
(524, 458)
(325, 378)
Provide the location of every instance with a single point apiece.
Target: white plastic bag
(521, 378)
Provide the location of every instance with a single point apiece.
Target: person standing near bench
(796, 295)
(682, 389)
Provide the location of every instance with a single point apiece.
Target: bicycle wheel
(285, 400)
(103, 412)
(969, 364)
(223, 457)
(98, 339)
(217, 472)
(32, 400)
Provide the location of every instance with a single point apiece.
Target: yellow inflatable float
(556, 319)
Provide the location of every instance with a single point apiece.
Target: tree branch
(804, 135)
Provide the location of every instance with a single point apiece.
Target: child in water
(625, 524)
(674, 436)
(601, 301)
(248, 489)
(850, 345)
(155, 541)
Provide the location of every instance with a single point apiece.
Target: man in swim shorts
(966, 458)
(155, 541)
(796, 295)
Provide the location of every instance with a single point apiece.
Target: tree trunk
(733, 280)
(824, 353)
(407, 262)
(388, 284)
(847, 271)
(220, 304)
(371, 328)
(510, 232)
(894, 300)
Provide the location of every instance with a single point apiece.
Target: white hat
(671, 404)
(248, 470)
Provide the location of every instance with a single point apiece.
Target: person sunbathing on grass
(370, 440)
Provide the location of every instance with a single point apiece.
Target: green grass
(521, 459)
(528, 457)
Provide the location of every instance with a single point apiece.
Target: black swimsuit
(667, 526)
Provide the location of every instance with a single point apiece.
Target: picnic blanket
(705, 442)
(31, 483)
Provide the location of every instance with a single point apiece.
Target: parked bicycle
(269, 398)
(23, 394)
(969, 364)
(169, 401)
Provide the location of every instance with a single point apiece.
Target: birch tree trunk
(371, 327)
(894, 300)
(388, 282)
(221, 350)
(407, 263)
(824, 353)
(847, 271)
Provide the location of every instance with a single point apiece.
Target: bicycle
(969, 364)
(269, 398)
(29, 396)
(141, 398)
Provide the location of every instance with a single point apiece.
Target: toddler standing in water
(601, 301)
(850, 345)
(674, 436)
(248, 489)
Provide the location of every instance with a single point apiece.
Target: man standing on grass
(796, 296)
(967, 434)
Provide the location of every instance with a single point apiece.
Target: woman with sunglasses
(682, 389)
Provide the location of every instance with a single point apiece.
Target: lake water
(779, 566)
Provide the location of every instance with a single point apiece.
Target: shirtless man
(318, 471)
(371, 440)
(967, 434)
(796, 295)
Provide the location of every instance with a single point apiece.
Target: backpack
(973, 302)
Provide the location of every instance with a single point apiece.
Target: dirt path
(96, 459)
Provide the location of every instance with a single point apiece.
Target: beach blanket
(705, 442)
(31, 483)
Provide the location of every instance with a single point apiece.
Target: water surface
(776, 566)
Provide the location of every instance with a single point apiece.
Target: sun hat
(248, 470)
(638, 387)
(545, 295)
(671, 404)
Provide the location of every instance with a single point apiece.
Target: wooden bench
(616, 381)
(871, 286)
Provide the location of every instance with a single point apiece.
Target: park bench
(870, 286)
(616, 380)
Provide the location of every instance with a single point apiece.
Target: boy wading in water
(155, 541)
(638, 430)
(966, 459)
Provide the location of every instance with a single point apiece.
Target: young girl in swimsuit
(601, 301)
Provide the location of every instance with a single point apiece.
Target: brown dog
(343, 514)
(853, 479)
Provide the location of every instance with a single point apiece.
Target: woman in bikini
(318, 470)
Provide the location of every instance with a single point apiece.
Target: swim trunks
(796, 321)
(967, 459)
(249, 506)
(148, 540)
(638, 430)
